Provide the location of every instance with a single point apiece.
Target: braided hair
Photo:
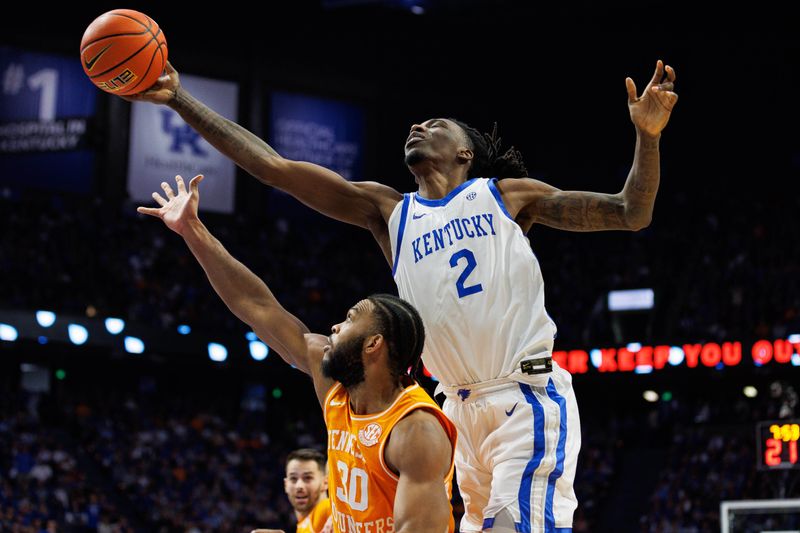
(400, 324)
(488, 161)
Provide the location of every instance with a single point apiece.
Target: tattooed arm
(530, 201)
(365, 204)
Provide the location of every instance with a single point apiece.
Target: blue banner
(326, 132)
(46, 115)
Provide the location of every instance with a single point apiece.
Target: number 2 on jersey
(471, 264)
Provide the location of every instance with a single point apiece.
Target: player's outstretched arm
(420, 452)
(365, 204)
(245, 294)
(531, 201)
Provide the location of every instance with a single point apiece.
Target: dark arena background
(131, 399)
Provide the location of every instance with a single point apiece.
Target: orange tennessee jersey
(362, 486)
(316, 519)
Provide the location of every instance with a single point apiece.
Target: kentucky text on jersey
(455, 230)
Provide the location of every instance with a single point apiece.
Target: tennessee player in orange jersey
(390, 447)
(306, 486)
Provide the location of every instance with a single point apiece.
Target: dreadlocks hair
(400, 324)
(488, 161)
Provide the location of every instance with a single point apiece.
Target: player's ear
(373, 343)
(464, 155)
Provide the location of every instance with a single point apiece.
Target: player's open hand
(650, 112)
(162, 91)
(178, 210)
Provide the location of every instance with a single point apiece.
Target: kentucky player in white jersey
(458, 253)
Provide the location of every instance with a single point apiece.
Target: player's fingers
(659, 72)
(670, 73)
(152, 211)
(631, 86)
(169, 69)
(193, 185)
(181, 185)
(167, 190)
(159, 200)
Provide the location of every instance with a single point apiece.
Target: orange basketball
(123, 52)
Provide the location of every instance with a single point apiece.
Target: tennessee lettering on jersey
(362, 486)
(347, 523)
(317, 518)
(439, 239)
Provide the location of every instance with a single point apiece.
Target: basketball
(123, 52)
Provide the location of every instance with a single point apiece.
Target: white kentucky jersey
(469, 270)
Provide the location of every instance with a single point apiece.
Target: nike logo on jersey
(511, 412)
(90, 63)
(415, 217)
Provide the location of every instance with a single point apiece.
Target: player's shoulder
(420, 423)
(419, 443)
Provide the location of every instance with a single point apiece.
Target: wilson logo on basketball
(369, 435)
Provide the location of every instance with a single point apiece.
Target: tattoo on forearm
(641, 186)
(228, 137)
(583, 211)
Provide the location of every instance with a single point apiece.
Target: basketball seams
(149, 66)
(121, 26)
(90, 43)
(127, 58)
(148, 28)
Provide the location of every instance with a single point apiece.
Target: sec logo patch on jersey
(472, 195)
(369, 435)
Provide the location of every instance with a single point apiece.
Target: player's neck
(436, 183)
(374, 395)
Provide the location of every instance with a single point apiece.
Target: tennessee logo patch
(369, 435)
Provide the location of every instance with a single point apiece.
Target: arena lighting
(632, 300)
(183, 329)
(644, 369)
(650, 396)
(794, 338)
(634, 346)
(258, 350)
(42, 339)
(8, 333)
(115, 325)
(750, 391)
(418, 10)
(597, 357)
(217, 352)
(676, 356)
(796, 359)
(45, 318)
(134, 345)
(77, 334)
(250, 336)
